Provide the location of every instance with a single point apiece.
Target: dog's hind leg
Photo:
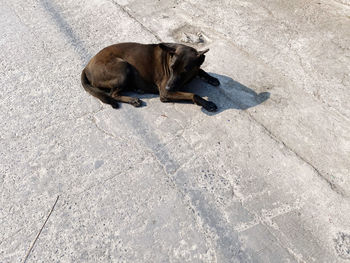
(123, 81)
(98, 93)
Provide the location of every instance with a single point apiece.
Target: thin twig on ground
(37, 236)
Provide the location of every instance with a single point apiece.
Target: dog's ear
(170, 48)
(202, 52)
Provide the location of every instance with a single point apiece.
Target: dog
(162, 69)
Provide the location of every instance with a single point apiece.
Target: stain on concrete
(190, 35)
(98, 164)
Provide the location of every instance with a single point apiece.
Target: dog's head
(184, 63)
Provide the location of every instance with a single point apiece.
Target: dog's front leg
(177, 95)
(207, 78)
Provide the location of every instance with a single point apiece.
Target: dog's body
(154, 68)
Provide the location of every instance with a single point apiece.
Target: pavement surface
(266, 178)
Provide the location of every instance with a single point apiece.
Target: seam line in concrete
(135, 19)
(333, 186)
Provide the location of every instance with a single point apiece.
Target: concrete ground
(266, 178)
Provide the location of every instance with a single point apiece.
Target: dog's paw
(115, 105)
(210, 106)
(136, 102)
(214, 81)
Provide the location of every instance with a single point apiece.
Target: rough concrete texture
(264, 179)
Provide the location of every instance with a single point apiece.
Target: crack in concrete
(265, 221)
(332, 186)
(62, 122)
(13, 234)
(94, 121)
(136, 20)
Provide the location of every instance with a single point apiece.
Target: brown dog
(155, 68)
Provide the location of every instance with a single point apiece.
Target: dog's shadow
(229, 95)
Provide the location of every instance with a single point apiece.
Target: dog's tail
(104, 97)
